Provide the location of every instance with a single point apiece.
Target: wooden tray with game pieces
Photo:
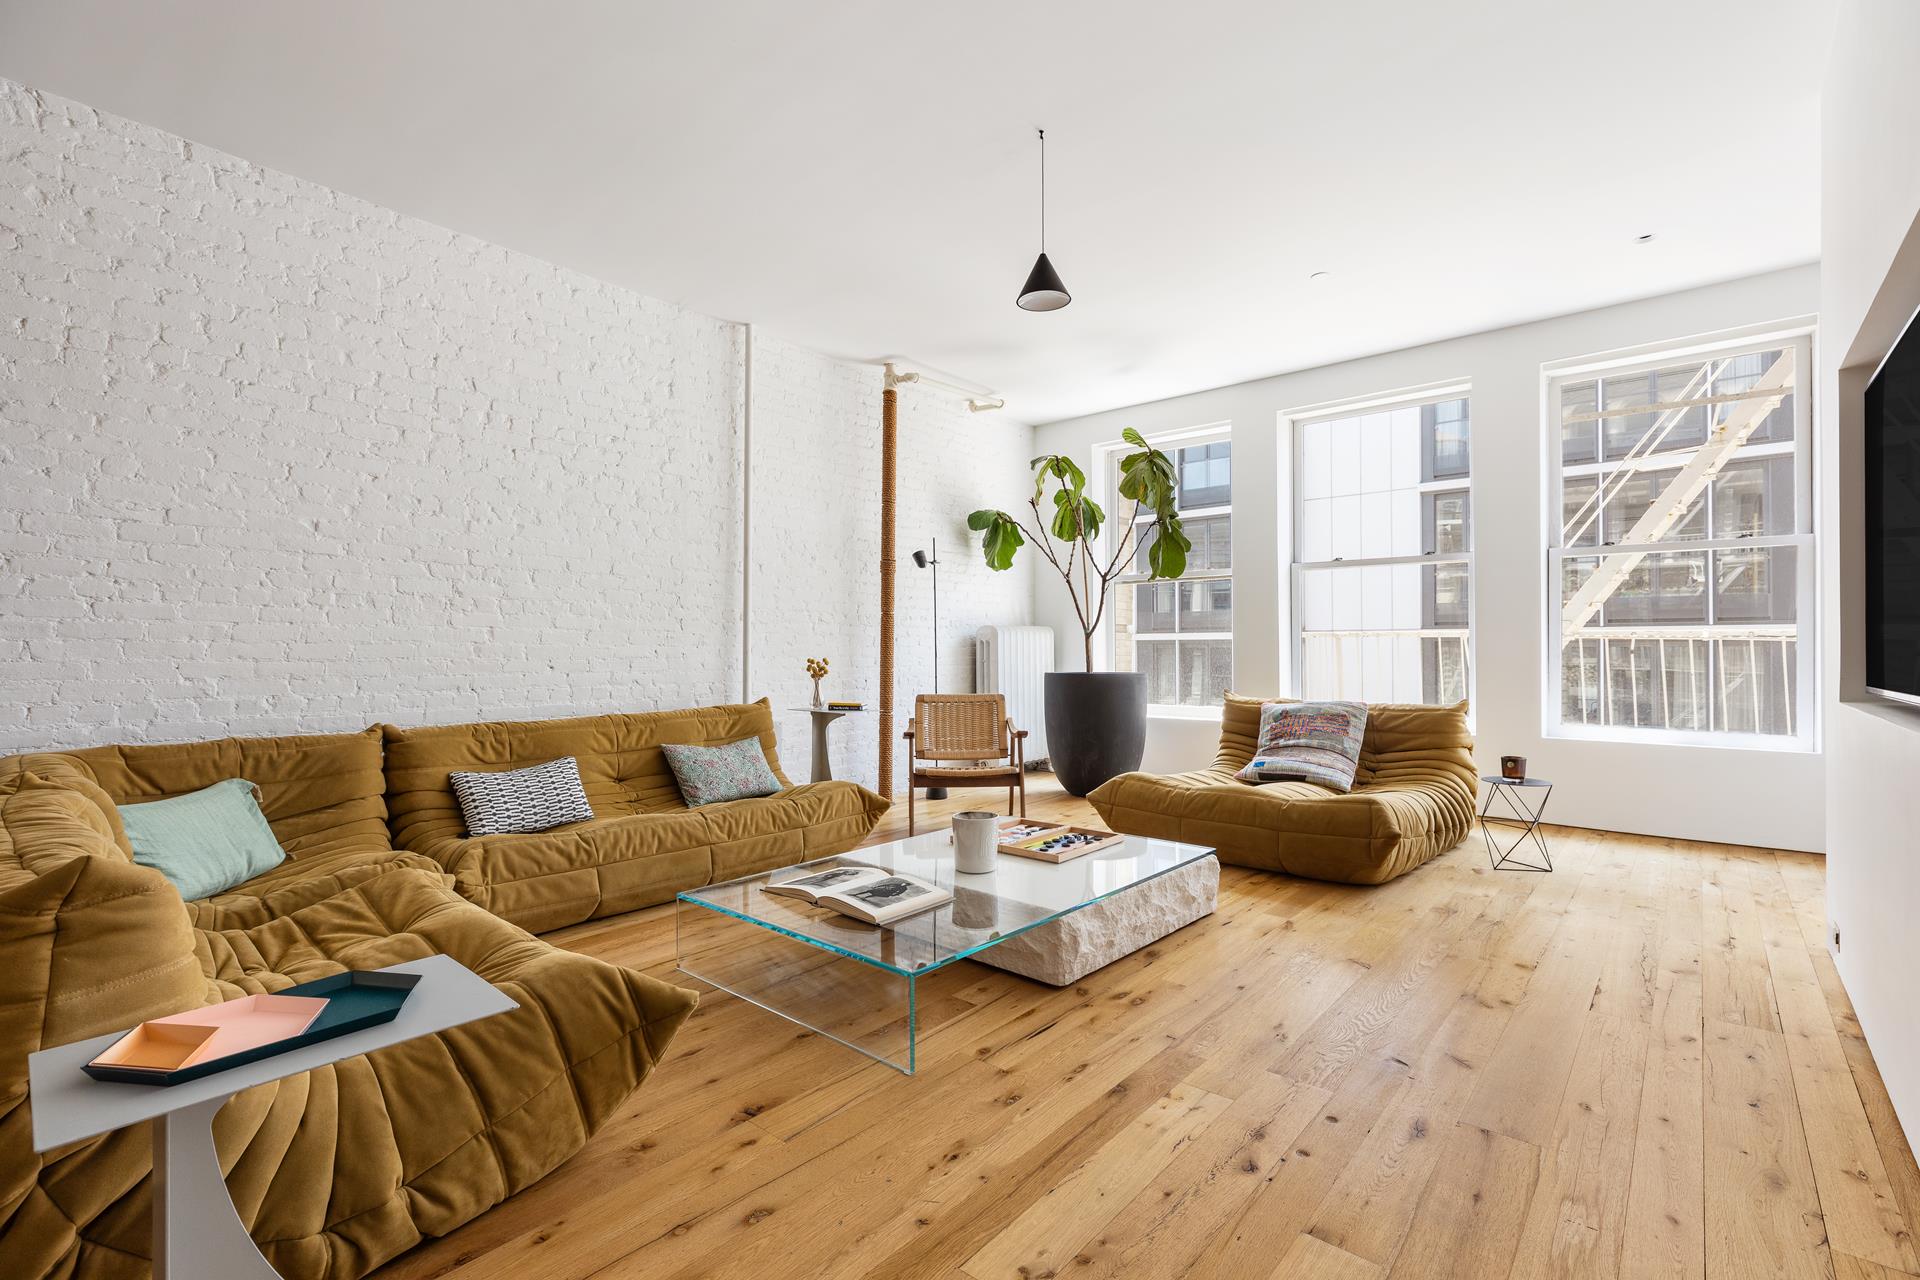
(1052, 841)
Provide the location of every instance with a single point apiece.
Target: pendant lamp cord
(1043, 191)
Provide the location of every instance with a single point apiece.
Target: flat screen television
(1893, 522)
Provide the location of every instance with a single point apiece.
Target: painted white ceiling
(861, 177)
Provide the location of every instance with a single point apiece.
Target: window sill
(1688, 741)
(1160, 711)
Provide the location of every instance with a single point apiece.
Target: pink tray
(217, 1031)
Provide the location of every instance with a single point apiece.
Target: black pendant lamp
(1043, 290)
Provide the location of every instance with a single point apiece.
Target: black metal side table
(1526, 819)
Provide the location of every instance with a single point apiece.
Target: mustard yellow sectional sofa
(340, 1169)
(644, 845)
(1412, 799)
(337, 1170)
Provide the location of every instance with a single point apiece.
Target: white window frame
(1105, 456)
(1554, 378)
(1292, 422)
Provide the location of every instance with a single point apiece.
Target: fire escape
(1613, 570)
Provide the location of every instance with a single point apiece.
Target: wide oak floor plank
(1067, 1214)
(1312, 1259)
(1469, 1222)
(1173, 1219)
(1665, 1233)
(1762, 1211)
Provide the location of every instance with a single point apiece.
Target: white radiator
(1014, 661)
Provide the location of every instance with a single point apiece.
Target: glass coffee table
(855, 982)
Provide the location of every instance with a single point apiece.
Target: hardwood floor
(1641, 1065)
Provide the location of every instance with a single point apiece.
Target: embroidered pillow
(204, 842)
(520, 801)
(1308, 742)
(708, 775)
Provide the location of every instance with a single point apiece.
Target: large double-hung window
(1680, 563)
(1383, 540)
(1180, 632)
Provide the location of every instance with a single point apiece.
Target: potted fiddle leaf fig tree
(1096, 720)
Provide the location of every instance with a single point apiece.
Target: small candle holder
(1513, 768)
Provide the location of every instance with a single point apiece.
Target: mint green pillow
(204, 842)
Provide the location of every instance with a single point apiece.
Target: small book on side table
(865, 893)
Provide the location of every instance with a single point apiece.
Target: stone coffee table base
(1066, 950)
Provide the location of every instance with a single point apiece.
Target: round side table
(822, 717)
(1523, 813)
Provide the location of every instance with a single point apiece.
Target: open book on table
(866, 893)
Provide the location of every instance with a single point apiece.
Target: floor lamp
(931, 560)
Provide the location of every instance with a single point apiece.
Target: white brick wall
(277, 459)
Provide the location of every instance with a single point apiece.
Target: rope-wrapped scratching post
(889, 430)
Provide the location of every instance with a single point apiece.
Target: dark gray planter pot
(1096, 726)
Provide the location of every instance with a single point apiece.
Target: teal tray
(356, 1000)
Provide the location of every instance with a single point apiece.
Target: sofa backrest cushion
(322, 793)
(50, 813)
(95, 807)
(92, 943)
(1404, 743)
(1408, 742)
(622, 767)
(1239, 732)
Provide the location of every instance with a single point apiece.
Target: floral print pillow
(709, 775)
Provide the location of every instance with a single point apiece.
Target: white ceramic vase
(975, 835)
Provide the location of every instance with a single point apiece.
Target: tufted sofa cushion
(1412, 799)
(643, 845)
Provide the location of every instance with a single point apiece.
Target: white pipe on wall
(746, 515)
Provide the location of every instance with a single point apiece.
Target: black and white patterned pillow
(522, 800)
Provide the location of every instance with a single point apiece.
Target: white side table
(197, 1233)
(822, 717)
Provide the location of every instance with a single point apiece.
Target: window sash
(1300, 572)
(1172, 644)
(1713, 680)
(1800, 544)
(1106, 458)
(1179, 611)
(1426, 486)
(1711, 632)
(1143, 522)
(1558, 470)
(1801, 631)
